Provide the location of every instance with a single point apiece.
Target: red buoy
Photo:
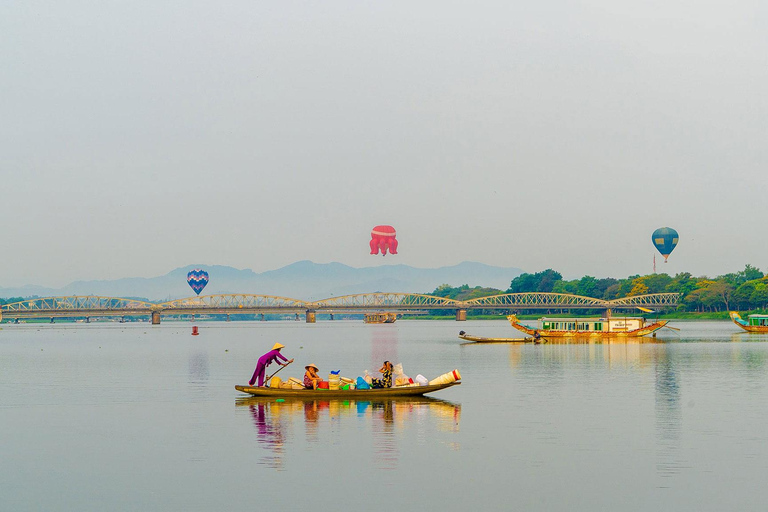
(194, 331)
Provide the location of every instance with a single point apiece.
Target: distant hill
(301, 280)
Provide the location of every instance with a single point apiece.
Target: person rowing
(266, 360)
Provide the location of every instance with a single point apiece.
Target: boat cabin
(617, 324)
(758, 320)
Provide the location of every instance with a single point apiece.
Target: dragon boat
(589, 327)
(753, 323)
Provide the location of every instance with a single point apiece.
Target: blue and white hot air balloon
(197, 279)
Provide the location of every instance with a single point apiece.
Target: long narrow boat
(480, 339)
(345, 393)
(592, 327)
(753, 323)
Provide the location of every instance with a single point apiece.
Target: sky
(138, 136)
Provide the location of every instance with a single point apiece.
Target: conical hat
(313, 366)
(278, 346)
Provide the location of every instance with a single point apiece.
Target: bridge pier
(155, 318)
(310, 316)
(461, 315)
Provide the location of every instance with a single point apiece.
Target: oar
(673, 328)
(281, 367)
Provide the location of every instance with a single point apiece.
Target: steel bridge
(88, 307)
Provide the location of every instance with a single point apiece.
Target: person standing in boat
(386, 376)
(266, 360)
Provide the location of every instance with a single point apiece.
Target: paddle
(281, 367)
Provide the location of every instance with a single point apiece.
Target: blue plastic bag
(361, 384)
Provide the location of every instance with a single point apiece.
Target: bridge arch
(233, 301)
(386, 300)
(535, 300)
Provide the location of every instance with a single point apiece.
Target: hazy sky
(138, 136)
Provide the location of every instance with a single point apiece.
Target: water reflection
(669, 418)
(384, 419)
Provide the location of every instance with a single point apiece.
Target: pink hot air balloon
(383, 239)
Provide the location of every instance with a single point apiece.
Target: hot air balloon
(197, 279)
(383, 238)
(665, 240)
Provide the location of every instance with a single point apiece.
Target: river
(133, 417)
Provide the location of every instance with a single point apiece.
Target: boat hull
(344, 393)
(643, 331)
(480, 339)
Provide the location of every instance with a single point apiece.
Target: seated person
(311, 378)
(386, 380)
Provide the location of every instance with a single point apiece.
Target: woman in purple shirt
(266, 360)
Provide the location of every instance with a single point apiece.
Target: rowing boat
(344, 393)
(480, 339)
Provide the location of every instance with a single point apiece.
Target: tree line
(743, 290)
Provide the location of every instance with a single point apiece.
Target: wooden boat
(321, 394)
(380, 318)
(480, 339)
(589, 327)
(753, 323)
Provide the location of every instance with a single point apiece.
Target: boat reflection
(275, 422)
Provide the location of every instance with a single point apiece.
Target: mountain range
(301, 280)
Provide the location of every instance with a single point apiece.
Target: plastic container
(421, 380)
(322, 385)
(275, 381)
(446, 378)
(334, 381)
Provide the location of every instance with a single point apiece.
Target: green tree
(543, 281)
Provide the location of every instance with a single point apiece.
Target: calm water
(129, 417)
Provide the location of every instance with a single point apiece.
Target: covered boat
(753, 323)
(597, 327)
(319, 394)
(380, 318)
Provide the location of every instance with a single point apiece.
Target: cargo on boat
(753, 323)
(597, 327)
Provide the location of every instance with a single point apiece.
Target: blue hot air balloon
(665, 240)
(197, 279)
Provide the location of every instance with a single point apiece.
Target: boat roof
(589, 319)
(757, 316)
